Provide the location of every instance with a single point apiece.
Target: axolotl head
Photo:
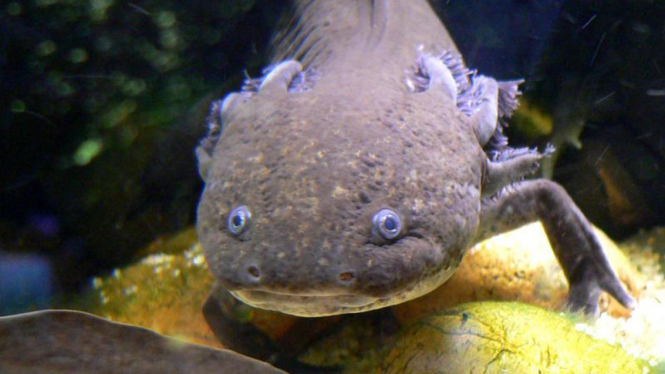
(317, 205)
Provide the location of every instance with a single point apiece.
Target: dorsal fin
(321, 30)
(318, 29)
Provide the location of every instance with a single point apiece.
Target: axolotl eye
(387, 224)
(238, 221)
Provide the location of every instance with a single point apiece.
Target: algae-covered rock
(163, 292)
(647, 251)
(500, 337)
(516, 266)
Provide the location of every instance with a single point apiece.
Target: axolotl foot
(575, 245)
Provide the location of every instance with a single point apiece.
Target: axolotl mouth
(309, 305)
(319, 305)
(359, 295)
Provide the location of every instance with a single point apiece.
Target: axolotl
(357, 171)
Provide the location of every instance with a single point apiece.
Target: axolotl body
(359, 169)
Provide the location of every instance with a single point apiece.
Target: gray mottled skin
(315, 165)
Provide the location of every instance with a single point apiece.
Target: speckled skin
(314, 167)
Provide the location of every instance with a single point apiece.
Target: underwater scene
(318, 186)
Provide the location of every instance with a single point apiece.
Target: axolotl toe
(359, 169)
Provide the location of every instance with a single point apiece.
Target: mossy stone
(504, 337)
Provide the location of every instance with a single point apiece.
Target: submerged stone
(163, 292)
(497, 337)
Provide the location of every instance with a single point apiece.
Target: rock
(497, 337)
(647, 248)
(163, 292)
(516, 266)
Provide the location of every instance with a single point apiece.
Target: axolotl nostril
(359, 169)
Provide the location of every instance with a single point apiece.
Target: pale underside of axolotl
(359, 169)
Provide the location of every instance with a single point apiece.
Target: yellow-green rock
(502, 337)
(163, 292)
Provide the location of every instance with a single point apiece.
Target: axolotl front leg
(510, 202)
(575, 245)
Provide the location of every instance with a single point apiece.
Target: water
(104, 102)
